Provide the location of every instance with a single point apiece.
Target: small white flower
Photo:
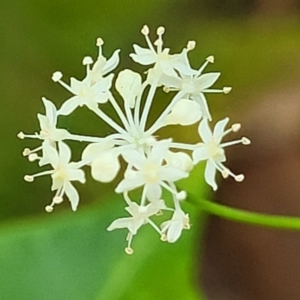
(140, 216)
(171, 230)
(149, 171)
(212, 150)
(86, 93)
(162, 60)
(195, 86)
(63, 173)
(49, 134)
(103, 66)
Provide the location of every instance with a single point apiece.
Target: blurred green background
(66, 255)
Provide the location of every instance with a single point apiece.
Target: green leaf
(72, 256)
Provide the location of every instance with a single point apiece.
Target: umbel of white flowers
(152, 164)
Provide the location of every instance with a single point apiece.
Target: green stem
(243, 216)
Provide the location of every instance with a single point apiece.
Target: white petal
(76, 175)
(219, 130)
(111, 63)
(143, 56)
(172, 174)
(206, 80)
(69, 106)
(153, 192)
(130, 184)
(134, 158)
(64, 153)
(44, 122)
(201, 100)
(51, 112)
(174, 231)
(200, 154)
(204, 131)
(72, 194)
(210, 174)
(105, 167)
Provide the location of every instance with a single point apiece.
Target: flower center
(151, 172)
(214, 150)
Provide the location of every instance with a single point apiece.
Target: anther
(166, 89)
(57, 76)
(33, 157)
(26, 152)
(49, 208)
(21, 135)
(211, 59)
(28, 178)
(145, 30)
(99, 42)
(58, 199)
(239, 178)
(163, 237)
(160, 30)
(128, 250)
(186, 226)
(245, 141)
(191, 45)
(236, 127)
(87, 61)
(227, 89)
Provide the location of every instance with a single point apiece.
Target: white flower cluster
(152, 165)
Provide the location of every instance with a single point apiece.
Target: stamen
(57, 76)
(227, 89)
(186, 226)
(211, 59)
(245, 141)
(21, 135)
(49, 208)
(145, 30)
(236, 127)
(191, 45)
(29, 178)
